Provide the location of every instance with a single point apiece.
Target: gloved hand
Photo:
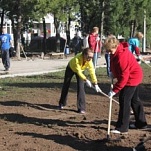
(111, 94)
(139, 57)
(97, 88)
(88, 83)
(97, 38)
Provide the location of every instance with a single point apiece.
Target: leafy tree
(120, 17)
(20, 12)
(63, 14)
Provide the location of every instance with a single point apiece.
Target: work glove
(97, 88)
(88, 83)
(139, 57)
(111, 94)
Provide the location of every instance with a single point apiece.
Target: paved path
(40, 66)
(37, 66)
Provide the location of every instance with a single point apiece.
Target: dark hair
(87, 50)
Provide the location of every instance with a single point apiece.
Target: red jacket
(125, 68)
(93, 44)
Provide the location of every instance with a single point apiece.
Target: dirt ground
(31, 121)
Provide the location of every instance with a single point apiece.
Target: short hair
(87, 50)
(111, 42)
(95, 29)
(111, 35)
(139, 35)
(4, 30)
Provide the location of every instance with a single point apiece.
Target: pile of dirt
(31, 121)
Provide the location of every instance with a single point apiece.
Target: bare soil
(31, 121)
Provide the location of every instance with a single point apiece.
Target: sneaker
(81, 111)
(132, 126)
(118, 132)
(61, 106)
(131, 112)
(6, 69)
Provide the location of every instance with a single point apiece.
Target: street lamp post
(102, 21)
(144, 39)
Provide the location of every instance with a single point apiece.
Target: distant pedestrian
(85, 40)
(107, 58)
(6, 43)
(77, 43)
(129, 75)
(134, 44)
(95, 44)
(76, 66)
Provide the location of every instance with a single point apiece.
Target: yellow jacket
(77, 66)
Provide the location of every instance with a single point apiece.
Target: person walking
(85, 40)
(129, 75)
(77, 43)
(6, 43)
(76, 66)
(95, 44)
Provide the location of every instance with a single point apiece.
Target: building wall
(38, 28)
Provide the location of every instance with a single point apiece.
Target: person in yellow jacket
(76, 66)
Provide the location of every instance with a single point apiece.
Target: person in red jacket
(95, 44)
(129, 75)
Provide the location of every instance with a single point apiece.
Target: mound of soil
(31, 121)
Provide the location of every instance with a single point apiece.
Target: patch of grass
(55, 80)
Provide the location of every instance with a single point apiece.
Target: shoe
(81, 111)
(6, 69)
(61, 106)
(131, 112)
(132, 126)
(118, 132)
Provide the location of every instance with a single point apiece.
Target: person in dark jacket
(129, 75)
(77, 44)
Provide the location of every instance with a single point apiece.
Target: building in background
(37, 29)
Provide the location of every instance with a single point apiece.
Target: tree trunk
(68, 30)
(57, 23)
(131, 28)
(44, 38)
(18, 32)
(102, 21)
(2, 21)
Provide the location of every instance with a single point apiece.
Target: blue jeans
(6, 59)
(94, 59)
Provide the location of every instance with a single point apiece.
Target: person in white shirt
(85, 40)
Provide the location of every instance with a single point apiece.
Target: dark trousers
(6, 59)
(80, 89)
(129, 98)
(107, 59)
